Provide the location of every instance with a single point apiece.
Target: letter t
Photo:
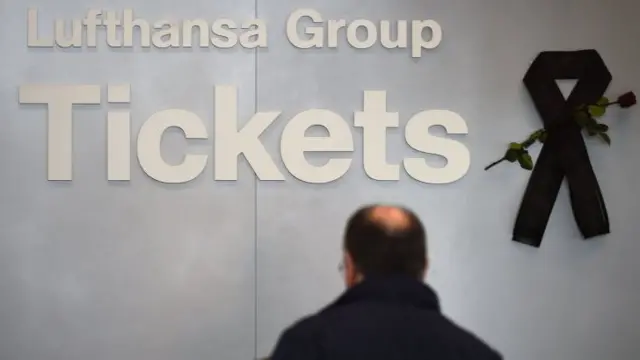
(60, 100)
(374, 120)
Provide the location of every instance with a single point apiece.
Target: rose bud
(627, 100)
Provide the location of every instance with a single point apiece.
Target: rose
(585, 116)
(627, 100)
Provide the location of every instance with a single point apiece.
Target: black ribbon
(564, 153)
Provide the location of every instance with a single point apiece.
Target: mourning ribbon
(564, 154)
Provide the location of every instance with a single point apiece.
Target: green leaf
(512, 155)
(536, 135)
(601, 128)
(533, 138)
(515, 146)
(528, 143)
(543, 137)
(581, 118)
(592, 127)
(599, 108)
(605, 137)
(525, 161)
(597, 111)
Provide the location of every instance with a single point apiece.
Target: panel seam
(255, 205)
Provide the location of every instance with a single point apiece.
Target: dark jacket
(381, 319)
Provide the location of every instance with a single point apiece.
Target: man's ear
(426, 268)
(347, 262)
(350, 271)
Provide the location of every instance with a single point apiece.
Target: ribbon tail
(587, 202)
(540, 196)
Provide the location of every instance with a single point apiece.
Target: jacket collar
(398, 290)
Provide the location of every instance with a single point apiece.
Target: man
(387, 311)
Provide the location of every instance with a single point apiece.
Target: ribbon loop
(564, 153)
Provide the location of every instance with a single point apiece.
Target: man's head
(384, 240)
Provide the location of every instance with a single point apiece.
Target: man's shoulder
(469, 341)
(307, 333)
(432, 326)
(299, 341)
(304, 328)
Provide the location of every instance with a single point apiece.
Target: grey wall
(205, 270)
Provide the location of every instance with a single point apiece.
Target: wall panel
(130, 270)
(558, 301)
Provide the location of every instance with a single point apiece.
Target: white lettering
(255, 36)
(166, 34)
(231, 142)
(226, 33)
(320, 33)
(150, 138)
(189, 27)
(222, 33)
(119, 134)
(128, 26)
(333, 27)
(225, 38)
(33, 40)
(418, 42)
(374, 120)
(418, 137)
(91, 22)
(385, 35)
(370, 37)
(294, 144)
(60, 100)
(316, 39)
(111, 22)
(64, 40)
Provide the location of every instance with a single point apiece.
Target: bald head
(386, 240)
(391, 219)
